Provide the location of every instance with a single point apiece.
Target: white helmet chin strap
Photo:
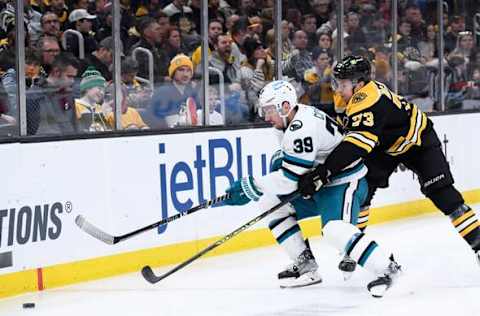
(285, 116)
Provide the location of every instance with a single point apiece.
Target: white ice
(441, 277)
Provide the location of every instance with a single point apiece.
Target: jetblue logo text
(204, 172)
(30, 224)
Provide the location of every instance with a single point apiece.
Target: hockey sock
(363, 216)
(467, 225)
(288, 235)
(357, 245)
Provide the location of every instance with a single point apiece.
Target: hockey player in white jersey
(308, 135)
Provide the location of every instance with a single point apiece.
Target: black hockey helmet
(355, 68)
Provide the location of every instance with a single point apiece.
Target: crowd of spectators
(69, 84)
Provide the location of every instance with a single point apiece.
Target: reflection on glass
(8, 84)
(462, 71)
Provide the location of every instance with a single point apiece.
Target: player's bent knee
(339, 233)
(447, 199)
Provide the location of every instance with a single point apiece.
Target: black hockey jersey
(375, 117)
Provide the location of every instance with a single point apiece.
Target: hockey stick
(99, 234)
(150, 276)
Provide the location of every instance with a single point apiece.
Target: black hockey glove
(313, 180)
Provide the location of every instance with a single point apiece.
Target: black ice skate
(347, 266)
(379, 286)
(302, 272)
(478, 256)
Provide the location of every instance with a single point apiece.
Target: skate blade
(378, 291)
(302, 281)
(347, 275)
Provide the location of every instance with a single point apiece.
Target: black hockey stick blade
(107, 238)
(151, 277)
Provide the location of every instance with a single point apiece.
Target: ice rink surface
(440, 277)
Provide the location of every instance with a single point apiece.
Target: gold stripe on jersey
(364, 140)
(418, 122)
(363, 98)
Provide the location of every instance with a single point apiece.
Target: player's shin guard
(347, 265)
(363, 250)
(467, 225)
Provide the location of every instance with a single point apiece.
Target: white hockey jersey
(310, 137)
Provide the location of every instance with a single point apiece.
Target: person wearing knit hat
(88, 108)
(174, 103)
(180, 61)
(91, 78)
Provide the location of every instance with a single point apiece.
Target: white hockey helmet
(275, 94)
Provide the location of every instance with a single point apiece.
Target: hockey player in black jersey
(385, 129)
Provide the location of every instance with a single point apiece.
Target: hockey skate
(347, 266)
(379, 286)
(478, 256)
(302, 272)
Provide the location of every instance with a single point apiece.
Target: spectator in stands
(82, 22)
(300, 59)
(428, 45)
(404, 38)
(255, 27)
(50, 25)
(318, 78)
(163, 21)
(287, 45)
(8, 89)
(457, 25)
(175, 103)
(215, 117)
(309, 26)
(102, 58)
(465, 45)
(325, 41)
(151, 39)
(8, 80)
(238, 35)
(215, 28)
(222, 59)
(139, 93)
(321, 11)
(60, 9)
(456, 80)
(256, 71)
(50, 107)
(248, 8)
(31, 19)
(173, 44)
(330, 26)
(47, 49)
(413, 15)
(473, 62)
(88, 108)
(231, 20)
(188, 34)
(356, 37)
(130, 118)
(177, 7)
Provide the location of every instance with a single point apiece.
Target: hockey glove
(243, 191)
(313, 180)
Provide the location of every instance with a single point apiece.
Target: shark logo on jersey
(359, 97)
(296, 125)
